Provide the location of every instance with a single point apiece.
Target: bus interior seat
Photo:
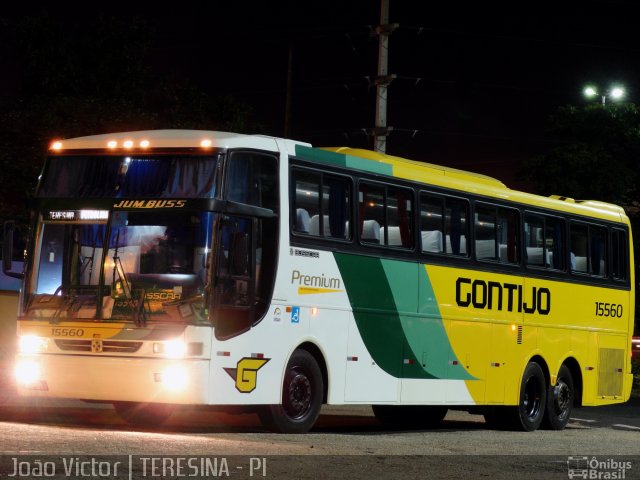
(302, 220)
(314, 225)
(371, 231)
(393, 236)
(431, 241)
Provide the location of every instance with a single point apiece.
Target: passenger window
(443, 214)
(321, 204)
(589, 249)
(496, 230)
(619, 255)
(385, 215)
(544, 241)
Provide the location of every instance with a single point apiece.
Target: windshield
(154, 266)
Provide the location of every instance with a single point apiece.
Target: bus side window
(619, 255)
(497, 236)
(321, 205)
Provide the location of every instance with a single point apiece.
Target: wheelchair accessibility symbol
(295, 315)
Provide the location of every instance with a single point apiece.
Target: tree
(596, 157)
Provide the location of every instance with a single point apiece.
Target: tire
(528, 415)
(414, 416)
(144, 414)
(302, 392)
(560, 398)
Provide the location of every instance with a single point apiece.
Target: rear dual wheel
(560, 399)
(529, 413)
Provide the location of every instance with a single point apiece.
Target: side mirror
(7, 249)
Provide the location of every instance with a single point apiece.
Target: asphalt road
(347, 441)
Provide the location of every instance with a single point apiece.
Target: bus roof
(168, 139)
(455, 179)
(358, 159)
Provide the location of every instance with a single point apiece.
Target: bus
(261, 274)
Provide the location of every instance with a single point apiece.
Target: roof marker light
(128, 144)
(144, 144)
(56, 146)
(112, 144)
(206, 143)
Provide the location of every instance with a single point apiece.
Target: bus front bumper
(113, 378)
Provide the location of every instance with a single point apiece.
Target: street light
(616, 92)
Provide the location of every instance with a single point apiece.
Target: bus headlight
(28, 372)
(29, 344)
(171, 348)
(173, 378)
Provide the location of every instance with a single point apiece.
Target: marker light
(112, 144)
(56, 146)
(206, 143)
(28, 372)
(174, 378)
(128, 144)
(30, 344)
(144, 144)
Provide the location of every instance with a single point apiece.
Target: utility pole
(383, 79)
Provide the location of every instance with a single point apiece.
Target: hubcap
(298, 395)
(561, 397)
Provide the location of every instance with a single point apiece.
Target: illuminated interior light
(144, 144)
(56, 146)
(30, 344)
(206, 143)
(127, 160)
(128, 144)
(112, 144)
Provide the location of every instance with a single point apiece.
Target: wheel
(302, 391)
(529, 413)
(560, 398)
(144, 414)
(414, 416)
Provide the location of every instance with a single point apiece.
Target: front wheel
(302, 392)
(560, 401)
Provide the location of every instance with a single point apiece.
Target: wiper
(139, 313)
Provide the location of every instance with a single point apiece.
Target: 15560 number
(608, 310)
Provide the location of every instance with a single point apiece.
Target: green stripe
(397, 316)
(341, 160)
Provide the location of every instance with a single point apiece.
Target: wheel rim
(532, 399)
(299, 394)
(561, 398)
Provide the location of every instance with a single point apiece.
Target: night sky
(475, 85)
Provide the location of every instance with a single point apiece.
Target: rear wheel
(529, 413)
(560, 398)
(415, 416)
(302, 391)
(144, 414)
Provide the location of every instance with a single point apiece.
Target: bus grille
(610, 372)
(108, 346)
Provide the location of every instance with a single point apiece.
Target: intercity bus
(177, 267)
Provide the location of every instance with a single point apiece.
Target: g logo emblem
(246, 373)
